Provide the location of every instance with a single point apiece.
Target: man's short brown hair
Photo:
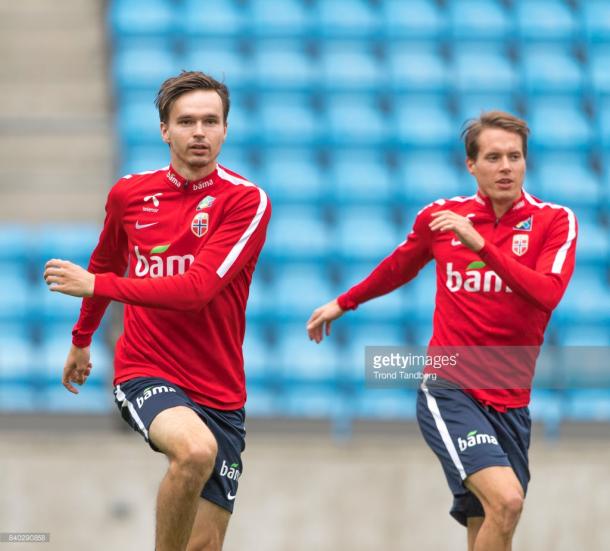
(492, 119)
(188, 81)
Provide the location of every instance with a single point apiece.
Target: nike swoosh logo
(140, 226)
(456, 242)
(230, 497)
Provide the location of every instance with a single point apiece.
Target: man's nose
(505, 164)
(199, 129)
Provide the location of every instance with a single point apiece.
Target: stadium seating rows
(348, 114)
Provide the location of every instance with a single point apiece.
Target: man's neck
(192, 174)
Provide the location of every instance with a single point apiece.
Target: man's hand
(324, 315)
(77, 368)
(446, 220)
(68, 278)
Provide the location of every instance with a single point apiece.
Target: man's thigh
(491, 484)
(209, 528)
(179, 428)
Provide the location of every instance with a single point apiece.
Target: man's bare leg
(191, 449)
(501, 495)
(473, 526)
(209, 528)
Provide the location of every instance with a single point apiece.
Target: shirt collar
(180, 183)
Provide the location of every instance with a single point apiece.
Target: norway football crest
(520, 244)
(199, 225)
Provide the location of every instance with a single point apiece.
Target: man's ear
(164, 132)
(470, 165)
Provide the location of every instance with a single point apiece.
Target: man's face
(500, 165)
(195, 129)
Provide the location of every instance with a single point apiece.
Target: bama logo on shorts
(151, 391)
(230, 471)
(473, 438)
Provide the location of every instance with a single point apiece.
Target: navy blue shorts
(467, 436)
(141, 399)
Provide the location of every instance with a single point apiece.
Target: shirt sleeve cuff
(345, 302)
(103, 285)
(82, 340)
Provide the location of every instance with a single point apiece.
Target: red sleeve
(239, 238)
(545, 284)
(110, 255)
(395, 270)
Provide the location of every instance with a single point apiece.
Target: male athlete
(189, 236)
(503, 261)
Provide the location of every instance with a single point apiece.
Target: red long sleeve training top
(190, 248)
(501, 296)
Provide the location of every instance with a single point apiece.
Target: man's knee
(195, 456)
(505, 510)
(204, 542)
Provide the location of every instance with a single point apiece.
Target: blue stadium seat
(90, 399)
(220, 58)
(283, 65)
(424, 122)
(299, 288)
(559, 123)
(18, 398)
(54, 307)
(74, 242)
(385, 404)
(262, 401)
(294, 175)
(348, 18)
(603, 124)
(587, 299)
(137, 121)
(15, 301)
(18, 357)
(413, 19)
(54, 347)
(351, 66)
(15, 241)
(596, 20)
(588, 405)
(257, 354)
(236, 158)
(313, 402)
(142, 158)
(472, 104)
(427, 176)
(298, 232)
(417, 67)
(593, 245)
(143, 67)
(568, 179)
(551, 69)
(366, 233)
(288, 18)
(479, 20)
(356, 120)
(584, 335)
(301, 360)
(224, 18)
(359, 176)
(242, 124)
(483, 68)
(136, 18)
(304, 127)
(540, 20)
(599, 63)
(259, 300)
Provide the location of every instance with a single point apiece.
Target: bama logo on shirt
(156, 265)
(475, 279)
(152, 391)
